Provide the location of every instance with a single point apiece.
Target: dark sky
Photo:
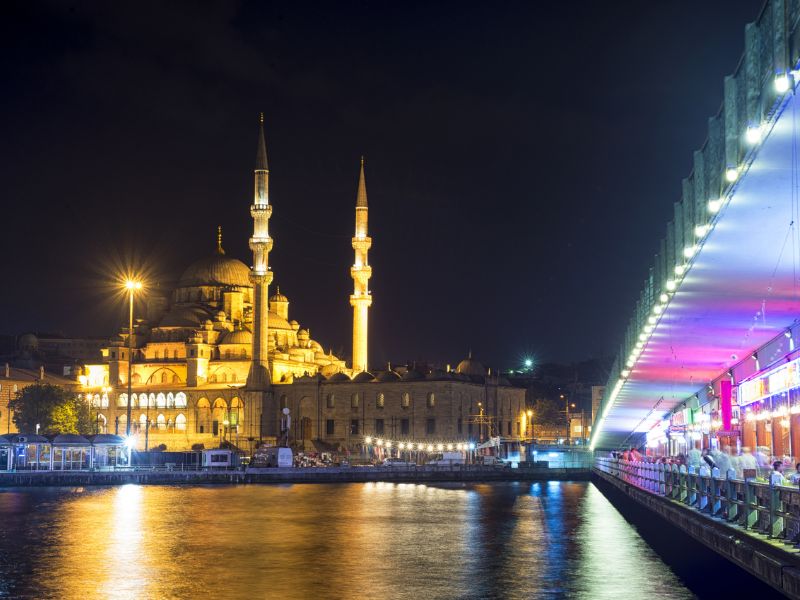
(522, 158)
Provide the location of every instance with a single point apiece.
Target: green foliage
(547, 412)
(53, 408)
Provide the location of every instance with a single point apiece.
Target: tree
(547, 412)
(51, 407)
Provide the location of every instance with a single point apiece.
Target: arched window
(176, 379)
(212, 379)
(431, 400)
(380, 400)
(170, 400)
(224, 378)
(227, 354)
(330, 402)
(151, 401)
(180, 422)
(243, 353)
(405, 400)
(158, 354)
(354, 401)
(175, 354)
(143, 421)
(233, 377)
(284, 401)
(161, 401)
(163, 377)
(162, 422)
(180, 400)
(136, 378)
(122, 400)
(96, 401)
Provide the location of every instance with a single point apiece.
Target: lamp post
(131, 286)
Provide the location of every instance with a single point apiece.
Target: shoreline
(287, 475)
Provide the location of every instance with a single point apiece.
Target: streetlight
(131, 285)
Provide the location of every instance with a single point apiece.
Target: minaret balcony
(261, 244)
(260, 210)
(361, 274)
(364, 299)
(362, 244)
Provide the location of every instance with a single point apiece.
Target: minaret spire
(220, 249)
(260, 275)
(361, 299)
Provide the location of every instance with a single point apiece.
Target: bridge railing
(762, 506)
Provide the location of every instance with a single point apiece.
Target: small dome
(216, 270)
(28, 341)
(303, 334)
(337, 377)
(387, 377)
(238, 336)
(438, 374)
(470, 366)
(278, 297)
(413, 375)
(184, 316)
(364, 377)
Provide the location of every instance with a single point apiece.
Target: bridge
(721, 302)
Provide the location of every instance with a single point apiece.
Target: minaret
(260, 275)
(361, 299)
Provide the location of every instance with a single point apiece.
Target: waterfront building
(15, 379)
(217, 359)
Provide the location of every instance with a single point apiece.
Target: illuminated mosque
(218, 360)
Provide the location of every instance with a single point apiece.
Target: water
(373, 540)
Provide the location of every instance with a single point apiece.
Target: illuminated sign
(775, 381)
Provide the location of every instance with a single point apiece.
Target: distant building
(597, 397)
(13, 380)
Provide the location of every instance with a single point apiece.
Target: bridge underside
(741, 291)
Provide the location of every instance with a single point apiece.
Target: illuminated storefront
(769, 405)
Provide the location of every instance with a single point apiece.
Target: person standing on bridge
(776, 477)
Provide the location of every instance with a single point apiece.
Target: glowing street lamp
(132, 286)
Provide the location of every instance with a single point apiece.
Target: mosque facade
(219, 359)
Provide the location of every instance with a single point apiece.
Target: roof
(261, 154)
(183, 315)
(361, 197)
(70, 439)
(106, 439)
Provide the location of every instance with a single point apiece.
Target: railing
(767, 508)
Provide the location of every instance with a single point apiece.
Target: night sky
(522, 159)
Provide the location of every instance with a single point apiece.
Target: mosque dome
(239, 336)
(470, 366)
(216, 270)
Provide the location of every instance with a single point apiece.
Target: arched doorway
(203, 417)
(236, 414)
(305, 431)
(219, 414)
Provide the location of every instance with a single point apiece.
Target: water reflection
(326, 541)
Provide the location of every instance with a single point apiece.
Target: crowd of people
(779, 470)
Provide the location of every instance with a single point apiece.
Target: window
(191, 352)
(113, 354)
(329, 427)
(509, 428)
(330, 401)
(163, 377)
(460, 425)
(354, 427)
(430, 426)
(431, 400)
(378, 426)
(405, 400)
(161, 400)
(354, 401)
(157, 354)
(380, 400)
(122, 400)
(518, 428)
(404, 426)
(180, 423)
